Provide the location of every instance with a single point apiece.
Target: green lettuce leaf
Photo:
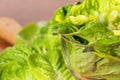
(98, 61)
(94, 31)
(77, 14)
(109, 46)
(36, 56)
(14, 64)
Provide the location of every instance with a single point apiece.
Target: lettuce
(36, 56)
(90, 37)
(89, 33)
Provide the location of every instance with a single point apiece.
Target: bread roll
(9, 29)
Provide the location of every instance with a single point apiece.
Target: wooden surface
(26, 11)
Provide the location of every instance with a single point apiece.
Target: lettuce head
(90, 38)
(36, 56)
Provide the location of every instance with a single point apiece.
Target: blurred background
(27, 11)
